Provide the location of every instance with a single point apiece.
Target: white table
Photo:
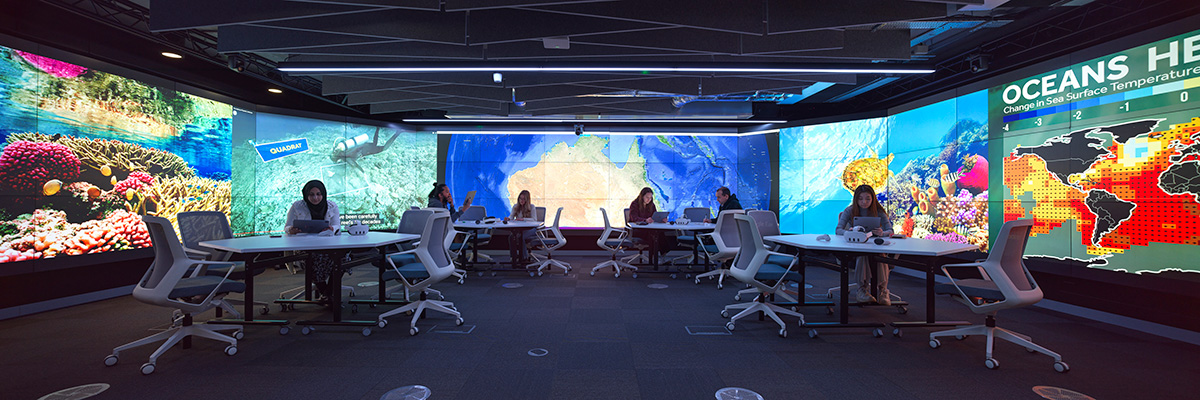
(665, 226)
(474, 227)
(932, 251)
(310, 243)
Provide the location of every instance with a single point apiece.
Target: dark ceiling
(964, 40)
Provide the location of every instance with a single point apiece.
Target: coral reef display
(111, 157)
(871, 171)
(53, 67)
(25, 166)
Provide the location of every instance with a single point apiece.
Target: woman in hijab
(315, 205)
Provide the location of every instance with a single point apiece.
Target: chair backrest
(1009, 252)
(752, 254)
(768, 224)
(608, 229)
(473, 213)
(697, 213)
(199, 226)
(414, 221)
(540, 213)
(169, 266)
(727, 229)
(626, 217)
(414, 208)
(562, 241)
(432, 251)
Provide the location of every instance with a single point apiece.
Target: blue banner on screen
(271, 151)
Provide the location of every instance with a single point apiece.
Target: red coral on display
(974, 174)
(137, 180)
(26, 166)
(52, 66)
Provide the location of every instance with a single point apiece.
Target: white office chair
(615, 240)
(549, 239)
(165, 285)
(767, 225)
(1005, 283)
(636, 244)
(411, 222)
(724, 246)
(199, 226)
(750, 266)
(687, 239)
(432, 266)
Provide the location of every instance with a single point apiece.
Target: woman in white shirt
(316, 206)
(523, 210)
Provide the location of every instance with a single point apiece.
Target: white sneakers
(863, 295)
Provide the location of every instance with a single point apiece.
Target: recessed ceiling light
(274, 90)
(168, 54)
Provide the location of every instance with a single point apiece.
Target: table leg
(931, 264)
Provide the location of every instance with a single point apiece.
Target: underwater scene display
(372, 173)
(584, 173)
(85, 153)
(928, 165)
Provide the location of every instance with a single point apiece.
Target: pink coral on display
(952, 237)
(136, 180)
(26, 166)
(974, 174)
(52, 66)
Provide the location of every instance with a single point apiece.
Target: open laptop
(870, 223)
(310, 225)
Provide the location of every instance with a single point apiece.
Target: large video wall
(85, 153)
(584, 173)
(373, 173)
(928, 165)
(1104, 156)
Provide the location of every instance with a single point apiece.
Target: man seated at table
(728, 201)
(440, 197)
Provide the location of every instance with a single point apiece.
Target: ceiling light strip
(587, 121)
(590, 132)
(781, 69)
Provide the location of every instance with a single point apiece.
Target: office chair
(750, 266)
(432, 266)
(637, 244)
(412, 222)
(767, 225)
(615, 240)
(687, 239)
(199, 226)
(456, 241)
(1005, 283)
(540, 213)
(724, 246)
(168, 284)
(549, 239)
(482, 237)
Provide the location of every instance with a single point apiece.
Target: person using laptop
(440, 197)
(315, 206)
(866, 204)
(522, 210)
(727, 200)
(641, 211)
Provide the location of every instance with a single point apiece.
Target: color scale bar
(1109, 99)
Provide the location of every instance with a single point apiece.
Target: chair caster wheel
(460, 281)
(372, 305)
(720, 286)
(697, 281)
(634, 275)
(617, 274)
(729, 326)
(307, 330)
(413, 331)
(783, 333)
(897, 332)
(230, 350)
(812, 334)
(960, 337)
(672, 276)
(724, 314)
(593, 273)
(877, 332)
(381, 324)
(1061, 366)
(147, 369)
(532, 274)
(829, 310)
(902, 309)
(238, 334)
(354, 308)
(366, 332)
(934, 343)
(991, 363)
(458, 322)
(283, 330)
(109, 361)
(795, 308)
(266, 310)
(737, 297)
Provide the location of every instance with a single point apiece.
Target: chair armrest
(196, 254)
(977, 266)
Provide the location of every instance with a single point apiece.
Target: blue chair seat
(980, 288)
(455, 247)
(686, 238)
(203, 285)
(782, 261)
(546, 242)
(710, 248)
(414, 270)
(239, 270)
(773, 272)
(483, 237)
(626, 242)
(401, 259)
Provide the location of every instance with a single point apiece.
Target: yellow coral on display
(108, 155)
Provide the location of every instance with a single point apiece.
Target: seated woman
(316, 206)
(866, 204)
(523, 210)
(642, 209)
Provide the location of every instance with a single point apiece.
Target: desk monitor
(310, 225)
(870, 223)
(659, 216)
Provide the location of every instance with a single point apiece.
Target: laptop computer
(310, 225)
(870, 223)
